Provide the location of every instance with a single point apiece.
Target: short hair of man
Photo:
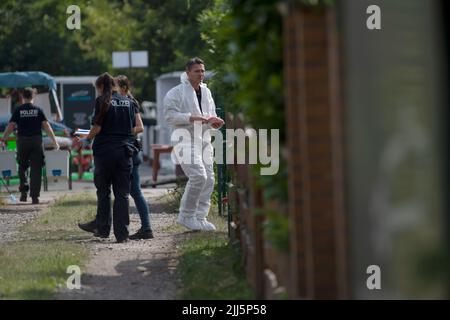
(193, 61)
(29, 93)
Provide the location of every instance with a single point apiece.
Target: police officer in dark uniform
(113, 127)
(145, 232)
(29, 120)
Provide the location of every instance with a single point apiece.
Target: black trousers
(113, 169)
(30, 154)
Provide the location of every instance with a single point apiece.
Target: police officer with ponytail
(113, 130)
(145, 232)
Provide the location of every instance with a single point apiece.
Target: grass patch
(168, 203)
(211, 268)
(34, 265)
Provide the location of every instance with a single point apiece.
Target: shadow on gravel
(140, 279)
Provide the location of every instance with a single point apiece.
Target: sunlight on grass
(34, 265)
(210, 267)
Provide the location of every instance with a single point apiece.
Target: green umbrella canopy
(26, 79)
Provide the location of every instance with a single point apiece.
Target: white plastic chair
(5, 106)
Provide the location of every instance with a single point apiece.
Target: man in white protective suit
(190, 109)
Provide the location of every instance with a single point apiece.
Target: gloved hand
(215, 122)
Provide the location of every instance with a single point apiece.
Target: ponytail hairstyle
(124, 83)
(106, 82)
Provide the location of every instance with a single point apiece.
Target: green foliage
(102, 33)
(317, 2)
(276, 229)
(169, 30)
(256, 50)
(34, 36)
(215, 195)
(216, 32)
(245, 48)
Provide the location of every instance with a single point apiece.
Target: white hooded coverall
(179, 104)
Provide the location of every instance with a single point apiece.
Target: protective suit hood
(184, 78)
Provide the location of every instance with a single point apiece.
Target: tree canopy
(34, 36)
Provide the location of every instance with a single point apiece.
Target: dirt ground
(142, 269)
(12, 216)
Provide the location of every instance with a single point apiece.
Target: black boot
(98, 235)
(89, 226)
(142, 234)
(23, 197)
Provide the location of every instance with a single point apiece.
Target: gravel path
(12, 216)
(138, 270)
(144, 269)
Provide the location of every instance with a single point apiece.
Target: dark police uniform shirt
(117, 125)
(28, 118)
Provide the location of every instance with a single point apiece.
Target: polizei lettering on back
(28, 113)
(120, 103)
